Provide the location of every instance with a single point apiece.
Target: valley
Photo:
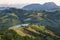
(20, 24)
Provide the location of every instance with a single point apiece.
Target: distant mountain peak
(32, 6)
(47, 5)
(50, 4)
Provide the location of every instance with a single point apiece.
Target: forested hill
(30, 32)
(13, 16)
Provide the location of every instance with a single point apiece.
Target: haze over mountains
(48, 5)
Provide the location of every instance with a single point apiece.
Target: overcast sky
(22, 3)
(9, 2)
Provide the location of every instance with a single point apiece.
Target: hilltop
(30, 32)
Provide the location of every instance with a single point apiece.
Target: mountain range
(13, 16)
(28, 24)
(43, 24)
(45, 6)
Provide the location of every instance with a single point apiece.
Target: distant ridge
(48, 5)
(3, 8)
(33, 7)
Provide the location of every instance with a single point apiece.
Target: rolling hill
(13, 16)
(43, 24)
(30, 32)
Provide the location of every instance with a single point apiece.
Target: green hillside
(30, 32)
(44, 24)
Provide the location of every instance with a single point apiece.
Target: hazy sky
(22, 3)
(9, 2)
